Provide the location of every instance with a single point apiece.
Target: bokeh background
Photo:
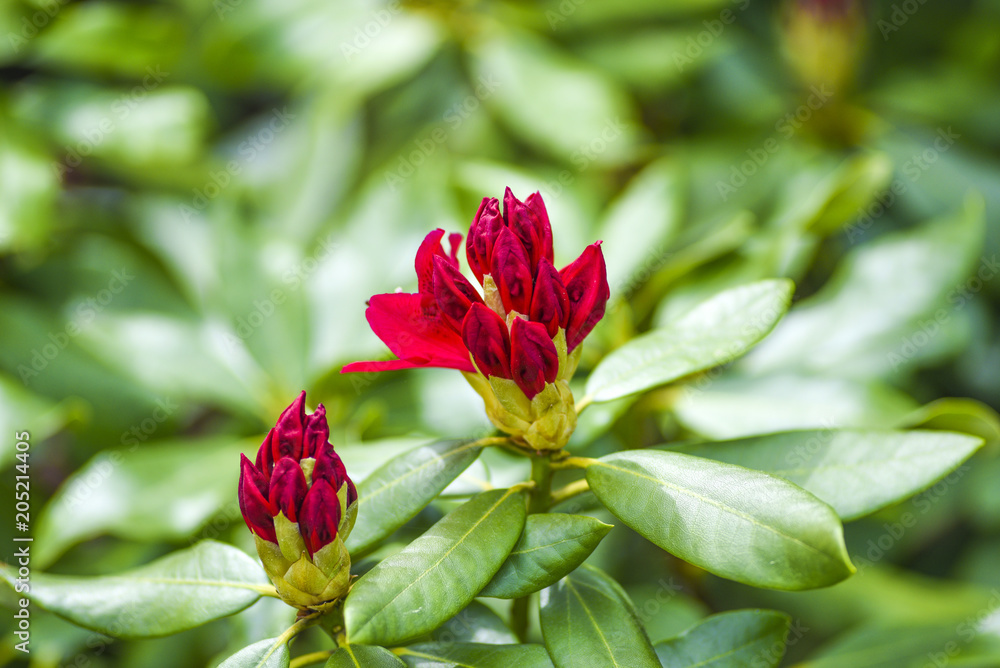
(197, 198)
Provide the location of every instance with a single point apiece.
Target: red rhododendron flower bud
(549, 300)
(511, 270)
(453, 292)
(485, 335)
(586, 281)
(534, 360)
(300, 505)
(482, 235)
(530, 224)
(449, 323)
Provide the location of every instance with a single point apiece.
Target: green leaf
(270, 653)
(475, 655)
(553, 101)
(362, 656)
(403, 486)
(551, 546)
(588, 620)
(729, 640)
(739, 524)
(855, 472)
(713, 333)
(886, 647)
(180, 591)
(146, 494)
(417, 589)
(477, 623)
(639, 225)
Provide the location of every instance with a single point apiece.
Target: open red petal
(418, 340)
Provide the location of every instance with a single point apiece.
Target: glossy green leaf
(180, 591)
(855, 472)
(362, 656)
(143, 493)
(477, 623)
(729, 640)
(417, 589)
(713, 333)
(399, 489)
(270, 653)
(588, 620)
(552, 545)
(739, 524)
(639, 225)
(475, 655)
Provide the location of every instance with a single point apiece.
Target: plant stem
(569, 491)
(541, 499)
(541, 494)
(308, 659)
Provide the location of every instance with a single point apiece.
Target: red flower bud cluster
(507, 328)
(297, 474)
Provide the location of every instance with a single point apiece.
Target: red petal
(535, 203)
(512, 272)
(290, 429)
(265, 454)
(485, 335)
(525, 222)
(549, 302)
(257, 512)
(586, 281)
(288, 488)
(320, 516)
(534, 360)
(483, 234)
(418, 340)
(424, 262)
(317, 432)
(453, 293)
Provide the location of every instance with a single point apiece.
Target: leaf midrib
(415, 470)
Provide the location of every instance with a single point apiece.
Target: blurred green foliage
(196, 199)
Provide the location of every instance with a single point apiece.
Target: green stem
(570, 490)
(309, 659)
(541, 494)
(540, 501)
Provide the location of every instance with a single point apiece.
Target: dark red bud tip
(549, 302)
(453, 293)
(424, 263)
(534, 360)
(531, 229)
(485, 335)
(483, 233)
(320, 516)
(330, 467)
(290, 430)
(317, 432)
(586, 281)
(511, 270)
(257, 511)
(288, 488)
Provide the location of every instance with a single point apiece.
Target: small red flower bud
(254, 505)
(483, 234)
(278, 484)
(512, 273)
(530, 224)
(288, 488)
(549, 301)
(586, 281)
(534, 360)
(485, 335)
(320, 516)
(453, 293)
